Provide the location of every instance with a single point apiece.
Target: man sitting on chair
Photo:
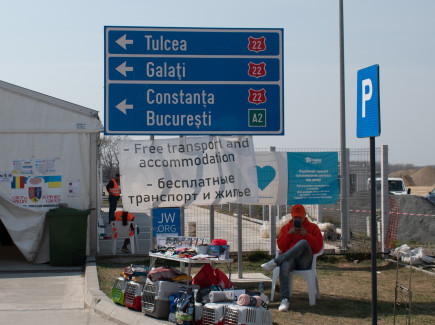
(298, 240)
(124, 216)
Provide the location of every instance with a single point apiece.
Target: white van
(396, 186)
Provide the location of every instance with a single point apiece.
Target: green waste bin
(67, 231)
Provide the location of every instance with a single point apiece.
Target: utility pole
(344, 205)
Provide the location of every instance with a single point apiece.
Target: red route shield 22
(257, 96)
(257, 44)
(257, 70)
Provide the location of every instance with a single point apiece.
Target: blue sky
(57, 48)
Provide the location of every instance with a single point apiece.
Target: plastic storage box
(198, 313)
(133, 295)
(212, 313)
(155, 298)
(118, 290)
(235, 314)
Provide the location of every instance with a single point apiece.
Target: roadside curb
(102, 305)
(93, 294)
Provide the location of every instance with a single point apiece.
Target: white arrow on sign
(123, 69)
(123, 41)
(123, 106)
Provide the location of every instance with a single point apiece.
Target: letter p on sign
(367, 89)
(368, 108)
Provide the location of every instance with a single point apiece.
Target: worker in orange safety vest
(114, 194)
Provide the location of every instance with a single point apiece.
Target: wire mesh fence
(255, 230)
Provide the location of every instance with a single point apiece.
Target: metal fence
(221, 221)
(253, 231)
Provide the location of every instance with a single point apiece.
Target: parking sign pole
(373, 229)
(369, 126)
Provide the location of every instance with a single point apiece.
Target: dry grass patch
(345, 288)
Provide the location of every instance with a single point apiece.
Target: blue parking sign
(368, 104)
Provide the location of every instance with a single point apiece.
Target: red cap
(298, 210)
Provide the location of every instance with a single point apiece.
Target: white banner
(272, 177)
(182, 171)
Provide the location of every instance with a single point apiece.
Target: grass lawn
(345, 288)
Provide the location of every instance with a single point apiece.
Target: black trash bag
(185, 313)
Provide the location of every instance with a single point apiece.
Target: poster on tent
(191, 170)
(312, 177)
(272, 177)
(36, 191)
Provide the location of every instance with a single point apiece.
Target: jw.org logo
(313, 161)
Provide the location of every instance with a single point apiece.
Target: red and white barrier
(402, 213)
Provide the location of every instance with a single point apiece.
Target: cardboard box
(220, 251)
(213, 250)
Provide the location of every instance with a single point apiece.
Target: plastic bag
(264, 230)
(416, 255)
(185, 312)
(205, 277)
(222, 279)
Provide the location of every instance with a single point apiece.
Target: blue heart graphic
(265, 176)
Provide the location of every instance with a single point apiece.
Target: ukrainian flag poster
(36, 191)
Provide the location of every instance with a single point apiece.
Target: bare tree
(109, 153)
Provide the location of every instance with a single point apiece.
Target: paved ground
(41, 294)
(45, 298)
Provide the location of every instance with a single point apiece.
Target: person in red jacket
(125, 217)
(298, 240)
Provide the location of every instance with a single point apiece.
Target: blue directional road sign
(368, 107)
(193, 81)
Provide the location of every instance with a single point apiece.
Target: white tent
(49, 151)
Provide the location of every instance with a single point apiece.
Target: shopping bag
(222, 279)
(205, 277)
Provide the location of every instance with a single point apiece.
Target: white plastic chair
(122, 232)
(309, 275)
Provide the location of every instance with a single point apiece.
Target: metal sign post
(369, 125)
(373, 229)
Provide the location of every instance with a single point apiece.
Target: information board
(312, 177)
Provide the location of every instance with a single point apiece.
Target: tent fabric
(23, 110)
(25, 226)
(33, 127)
(71, 152)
